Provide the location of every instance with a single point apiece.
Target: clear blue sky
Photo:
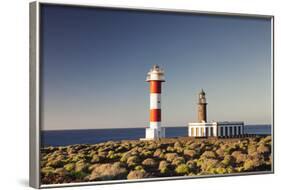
(94, 64)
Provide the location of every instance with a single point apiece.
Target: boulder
(239, 157)
(207, 164)
(146, 153)
(108, 172)
(189, 153)
(133, 161)
(253, 162)
(177, 144)
(152, 146)
(81, 166)
(157, 153)
(263, 149)
(137, 174)
(47, 170)
(95, 159)
(193, 146)
(125, 156)
(266, 140)
(55, 163)
(192, 166)
(252, 148)
(178, 161)
(164, 167)
(149, 163)
(171, 149)
(171, 156)
(208, 154)
(220, 152)
(228, 160)
(61, 171)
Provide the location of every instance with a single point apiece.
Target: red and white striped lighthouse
(155, 77)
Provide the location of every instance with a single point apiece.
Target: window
(239, 130)
(207, 131)
(212, 131)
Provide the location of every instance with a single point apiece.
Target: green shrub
(78, 174)
(138, 167)
(69, 167)
(182, 169)
(221, 170)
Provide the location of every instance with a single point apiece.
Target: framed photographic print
(127, 94)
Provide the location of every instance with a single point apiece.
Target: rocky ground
(146, 159)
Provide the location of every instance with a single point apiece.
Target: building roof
(202, 91)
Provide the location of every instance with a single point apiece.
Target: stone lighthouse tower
(155, 77)
(202, 107)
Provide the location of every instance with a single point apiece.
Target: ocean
(93, 136)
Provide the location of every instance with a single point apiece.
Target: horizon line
(131, 127)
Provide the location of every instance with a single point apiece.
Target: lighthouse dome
(202, 92)
(156, 74)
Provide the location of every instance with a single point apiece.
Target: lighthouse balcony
(155, 76)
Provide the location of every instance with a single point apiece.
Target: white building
(215, 129)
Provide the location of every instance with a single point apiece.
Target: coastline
(135, 159)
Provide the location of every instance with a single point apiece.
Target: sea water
(93, 136)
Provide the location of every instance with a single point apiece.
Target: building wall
(216, 129)
(230, 129)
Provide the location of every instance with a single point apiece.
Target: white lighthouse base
(154, 134)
